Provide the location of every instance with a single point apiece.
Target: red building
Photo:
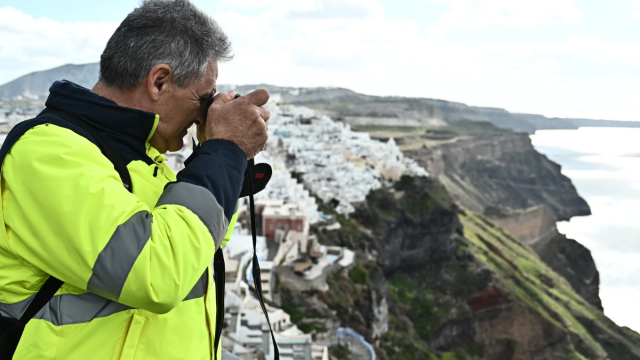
(285, 217)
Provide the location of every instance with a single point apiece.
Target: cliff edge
(494, 167)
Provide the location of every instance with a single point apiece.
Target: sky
(566, 58)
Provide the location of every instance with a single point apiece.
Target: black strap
(219, 268)
(264, 172)
(257, 281)
(43, 296)
(218, 277)
(52, 284)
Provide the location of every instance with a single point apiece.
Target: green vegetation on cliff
(456, 286)
(547, 295)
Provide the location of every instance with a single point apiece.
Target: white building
(247, 332)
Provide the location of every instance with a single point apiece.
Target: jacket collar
(104, 114)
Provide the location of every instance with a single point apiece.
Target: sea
(604, 166)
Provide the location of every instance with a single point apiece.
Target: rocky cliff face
(482, 295)
(533, 226)
(503, 176)
(574, 262)
(502, 170)
(412, 227)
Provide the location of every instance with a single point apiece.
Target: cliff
(496, 168)
(482, 295)
(499, 173)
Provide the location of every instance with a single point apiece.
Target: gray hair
(172, 32)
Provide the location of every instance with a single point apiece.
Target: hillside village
(340, 167)
(13, 111)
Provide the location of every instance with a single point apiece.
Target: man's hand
(241, 121)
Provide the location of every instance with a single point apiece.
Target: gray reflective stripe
(200, 287)
(15, 310)
(115, 261)
(202, 203)
(67, 309)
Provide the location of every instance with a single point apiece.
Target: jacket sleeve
(68, 214)
(232, 225)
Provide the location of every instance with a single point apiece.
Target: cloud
(289, 49)
(377, 55)
(478, 14)
(313, 9)
(636, 8)
(30, 44)
(311, 43)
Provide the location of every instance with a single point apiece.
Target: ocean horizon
(604, 166)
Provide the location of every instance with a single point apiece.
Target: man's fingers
(265, 114)
(258, 97)
(223, 98)
(219, 100)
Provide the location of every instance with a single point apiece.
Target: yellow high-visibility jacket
(136, 266)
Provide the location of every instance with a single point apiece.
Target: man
(136, 266)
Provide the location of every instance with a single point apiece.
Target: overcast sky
(554, 57)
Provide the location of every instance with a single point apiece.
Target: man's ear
(159, 77)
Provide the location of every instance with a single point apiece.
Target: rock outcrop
(417, 226)
(573, 260)
(536, 227)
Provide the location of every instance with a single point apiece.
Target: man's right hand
(241, 121)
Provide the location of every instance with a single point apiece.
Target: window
(299, 227)
(272, 226)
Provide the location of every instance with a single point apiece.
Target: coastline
(602, 163)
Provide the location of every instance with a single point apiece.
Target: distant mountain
(38, 83)
(343, 104)
(359, 109)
